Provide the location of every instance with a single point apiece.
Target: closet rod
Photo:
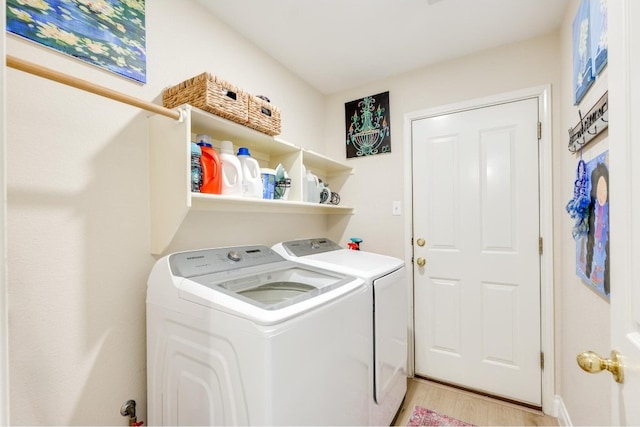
(56, 76)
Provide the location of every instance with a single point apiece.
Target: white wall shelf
(171, 198)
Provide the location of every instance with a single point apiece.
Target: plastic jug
(211, 166)
(312, 193)
(196, 168)
(251, 180)
(268, 182)
(231, 170)
(305, 190)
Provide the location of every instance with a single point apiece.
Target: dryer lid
(324, 253)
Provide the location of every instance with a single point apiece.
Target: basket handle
(230, 94)
(265, 111)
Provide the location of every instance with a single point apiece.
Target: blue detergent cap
(243, 151)
(204, 144)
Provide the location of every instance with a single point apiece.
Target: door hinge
(539, 130)
(542, 360)
(540, 245)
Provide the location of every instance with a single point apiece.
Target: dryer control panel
(310, 246)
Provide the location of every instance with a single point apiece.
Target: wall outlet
(395, 210)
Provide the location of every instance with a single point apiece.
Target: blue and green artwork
(107, 33)
(599, 34)
(583, 76)
(368, 128)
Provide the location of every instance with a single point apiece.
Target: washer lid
(286, 284)
(275, 293)
(255, 282)
(271, 296)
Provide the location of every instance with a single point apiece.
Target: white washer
(386, 277)
(241, 336)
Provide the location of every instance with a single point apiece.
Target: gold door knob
(593, 363)
(420, 241)
(421, 262)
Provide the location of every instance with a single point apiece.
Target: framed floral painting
(106, 33)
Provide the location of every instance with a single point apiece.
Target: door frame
(4, 305)
(543, 93)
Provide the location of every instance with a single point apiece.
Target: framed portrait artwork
(592, 247)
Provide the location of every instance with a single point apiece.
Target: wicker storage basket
(263, 116)
(209, 93)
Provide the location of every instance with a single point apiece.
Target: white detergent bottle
(312, 190)
(251, 179)
(231, 170)
(305, 191)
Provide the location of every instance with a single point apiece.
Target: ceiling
(340, 44)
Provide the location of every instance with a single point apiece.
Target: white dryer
(386, 277)
(241, 336)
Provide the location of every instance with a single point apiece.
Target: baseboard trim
(561, 413)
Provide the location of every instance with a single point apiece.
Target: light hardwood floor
(466, 406)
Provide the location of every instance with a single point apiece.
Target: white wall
(583, 315)
(78, 212)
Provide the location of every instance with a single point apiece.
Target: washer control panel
(210, 261)
(234, 255)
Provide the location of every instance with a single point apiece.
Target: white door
(475, 204)
(624, 175)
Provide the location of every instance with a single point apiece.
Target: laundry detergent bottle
(211, 166)
(231, 170)
(251, 179)
(196, 167)
(312, 193)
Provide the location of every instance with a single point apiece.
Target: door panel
(446, 331)
(624, 175)
(444, 206)
(497, 198)
(477, 299)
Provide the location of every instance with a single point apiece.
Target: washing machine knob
(234, 256)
